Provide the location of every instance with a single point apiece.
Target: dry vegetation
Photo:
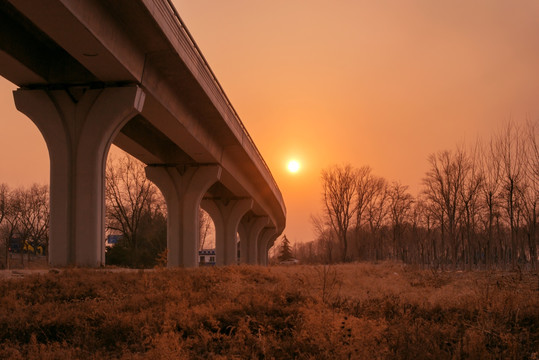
(358, 311)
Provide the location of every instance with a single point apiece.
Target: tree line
(477, 208)
(24, 221)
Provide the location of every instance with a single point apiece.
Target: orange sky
(380, 83)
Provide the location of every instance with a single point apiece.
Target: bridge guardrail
(184, 29)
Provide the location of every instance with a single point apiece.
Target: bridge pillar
(266, 237)
(183, 189)
(226, 216)
(269, 245)
(78, 125)
(249, 243)
(242, 233)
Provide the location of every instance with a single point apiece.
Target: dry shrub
(350, 311)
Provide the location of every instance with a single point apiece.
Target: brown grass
(357, 311)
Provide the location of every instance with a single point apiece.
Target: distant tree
(11, 222)
(529, 191)
(422, 229)
(478, 207)
(443, 185)
(532, 133)
(400, 205)
(4, 189)
(286, 250)
(365, 191)
(307, 252)
(490, 169)
(376, 215)
(135, 210)
(205, 229)
(470, 211)
(129, 195)
(511, 153)
(324, 237)
(24, 215)
(34, 215)
(339, 189)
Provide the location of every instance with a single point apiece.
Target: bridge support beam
(78, 125)
(249, 241)
(226, 216)
(183, 189)
(265, 241)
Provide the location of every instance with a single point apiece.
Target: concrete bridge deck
(96, 72)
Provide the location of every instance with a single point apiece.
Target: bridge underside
(87, 81)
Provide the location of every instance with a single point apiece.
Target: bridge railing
(207, 67)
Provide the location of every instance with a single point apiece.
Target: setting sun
(293, 166)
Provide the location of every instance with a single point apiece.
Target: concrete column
(264, 239)
(226, 216)
(78, 125)
(249, 243)
(242, 233)
(166, 178)
(183, 190)
(269, 245)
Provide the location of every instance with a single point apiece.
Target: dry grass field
(352, 311)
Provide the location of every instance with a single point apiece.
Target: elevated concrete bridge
(96, 72)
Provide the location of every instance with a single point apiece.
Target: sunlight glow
(293, 166)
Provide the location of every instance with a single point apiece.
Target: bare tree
(490, 187)
(205, 229)
(12, 220)
(532, 130)
(529, 191)
(469, 200)
(422, 231)
(339, 188)
(376, 214)
(477, 208)
(34, 216)
(400, 204)
(510, 152)
(307, 252)
(529, 195)
(324, 235)
(443, 184)
(128, 195)
(365, 190)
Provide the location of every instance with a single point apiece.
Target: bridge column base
(265, 241)
(78, 125)
(183, 190)
(226, 216)
(251, 229)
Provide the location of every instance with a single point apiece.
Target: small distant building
(112, 240)
(206, 257)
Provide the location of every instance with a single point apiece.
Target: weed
(349, 311)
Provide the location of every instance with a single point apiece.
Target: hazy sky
(380, 83)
